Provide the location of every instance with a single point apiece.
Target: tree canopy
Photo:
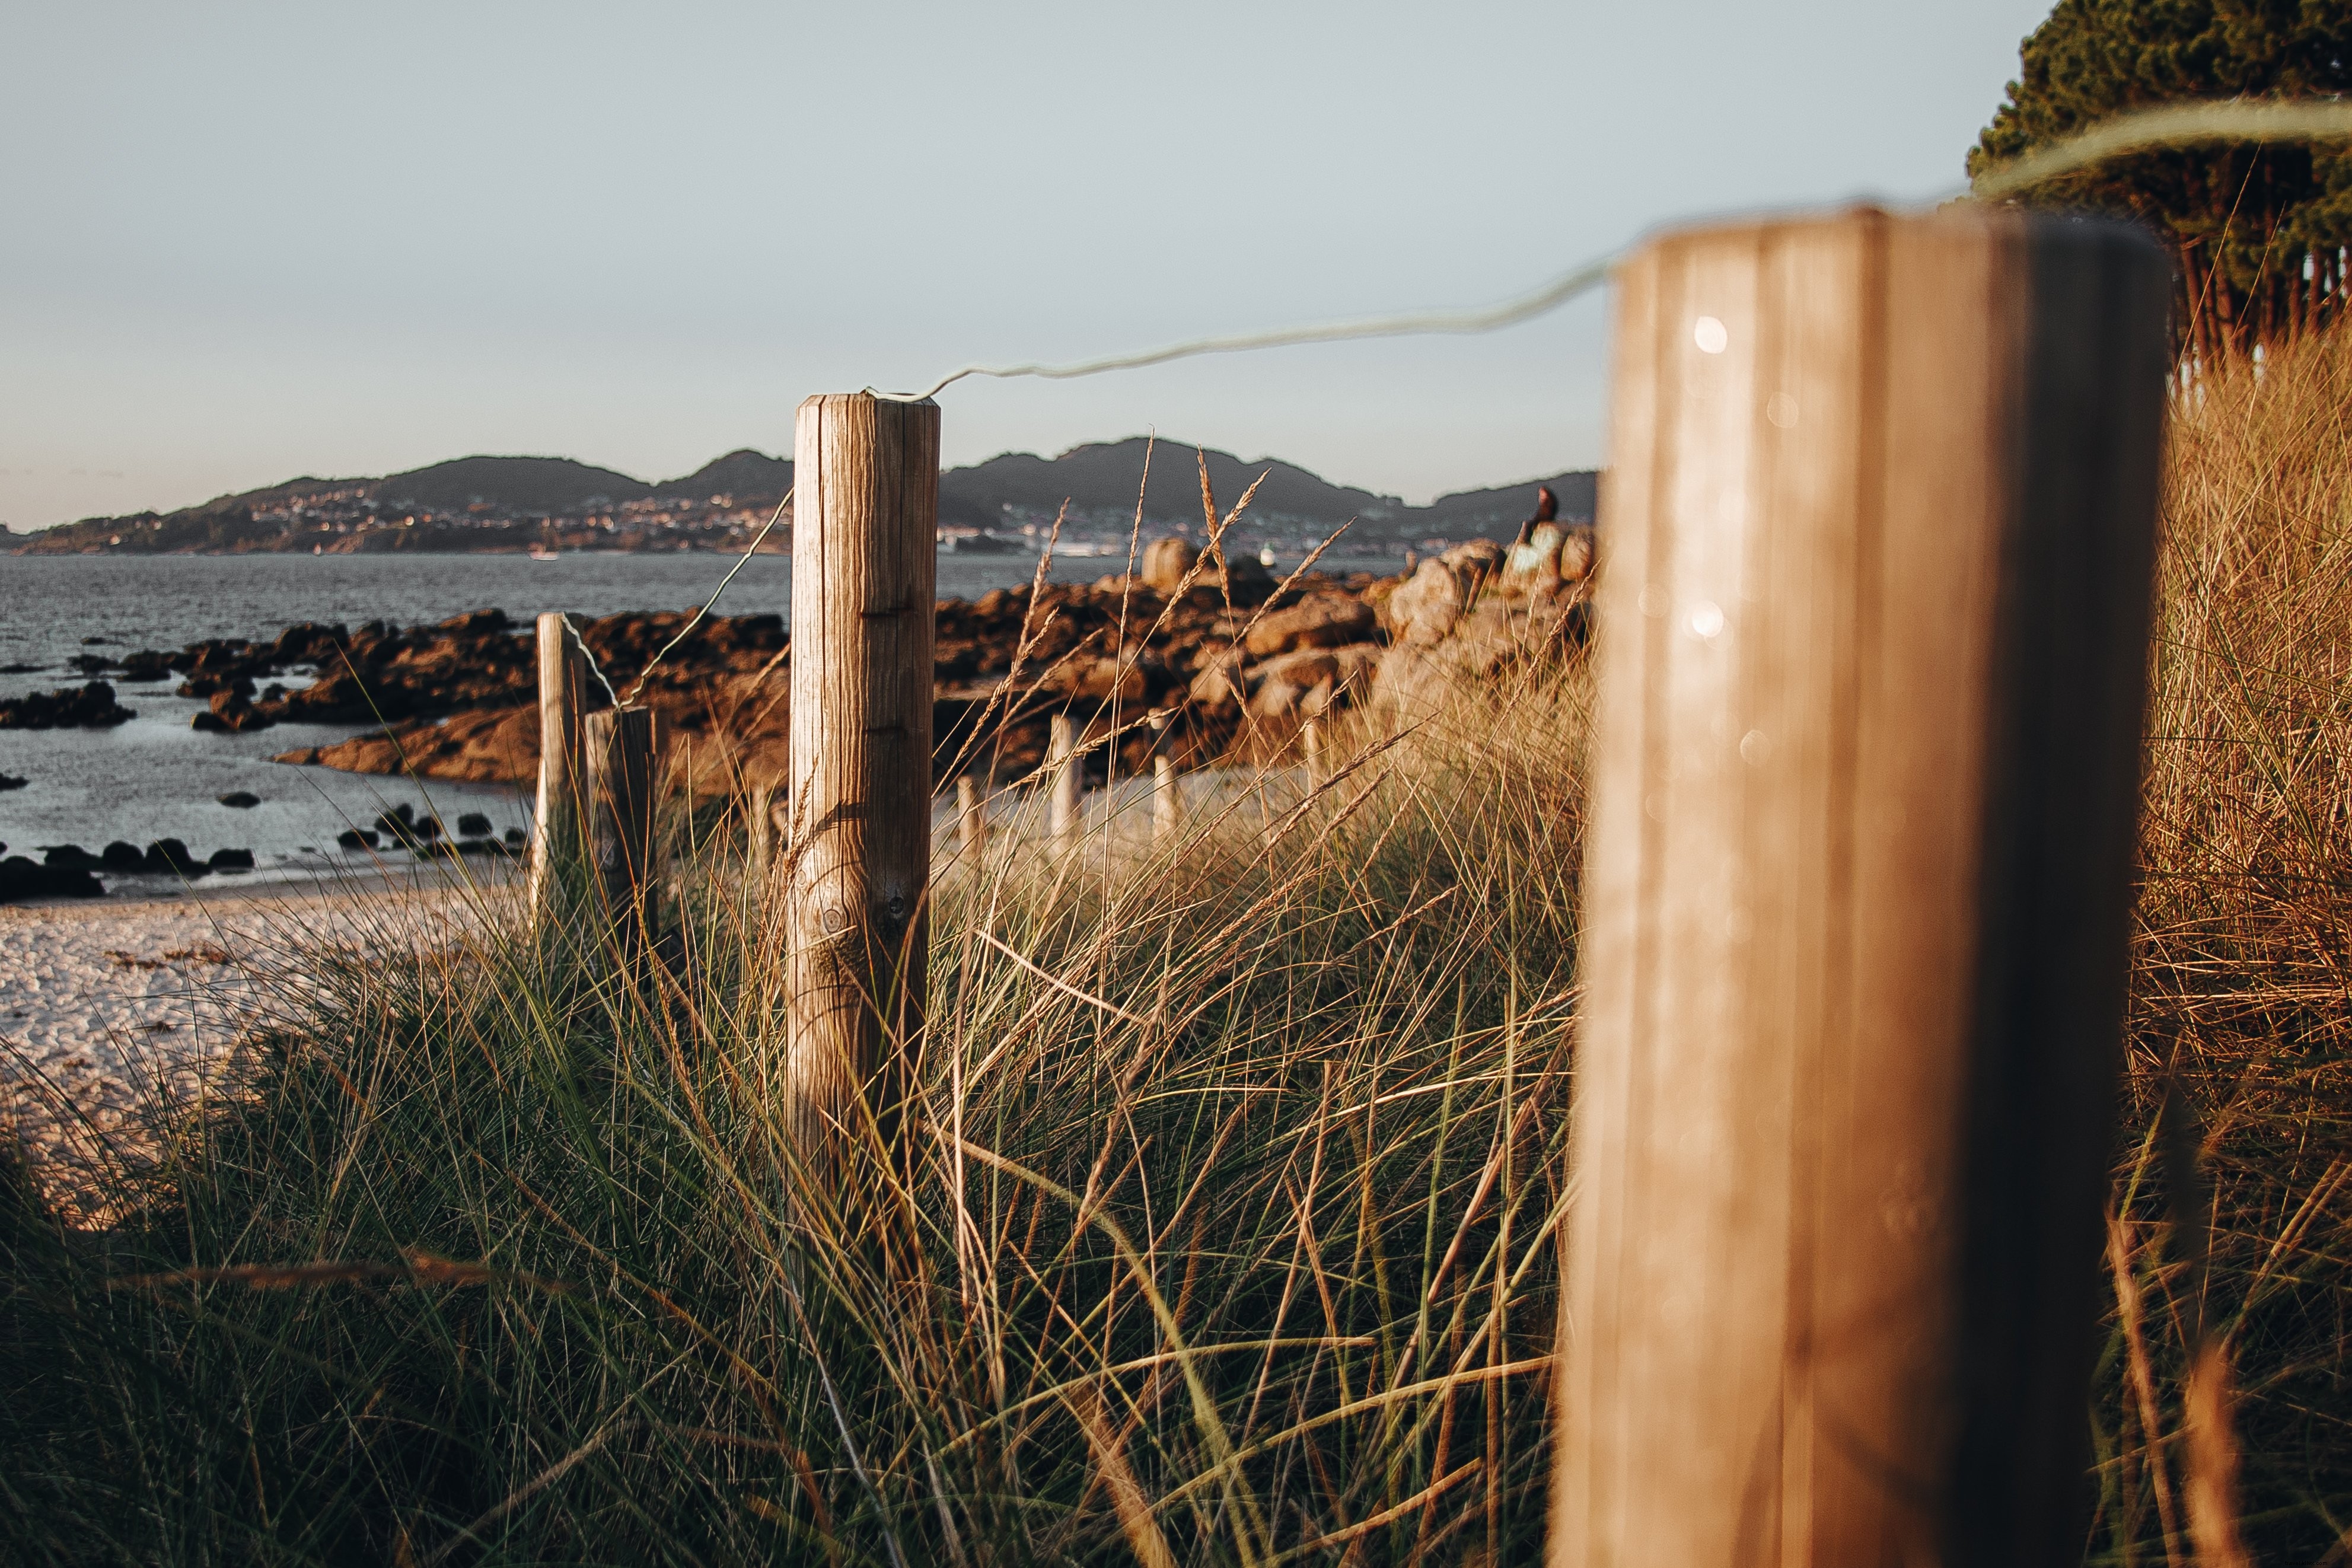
(2259, 232)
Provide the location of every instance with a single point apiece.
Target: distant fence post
(1061, 757)
(865, 568)
(563, 697)
(621, 746)
(1167, 802)
(971, 815)
(1873, 634)
(762, 832)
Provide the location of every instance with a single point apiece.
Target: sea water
(154, 777)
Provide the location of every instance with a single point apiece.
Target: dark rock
(121, 857)
(240, 799)
(170, 857)
(355, 838)
(473, 825)
(21, 878)
(9, 782)
(147, 664)
(20, 668)
(90, 663)
(516, 837)
(94, 642)
(230, 860)
(67, 856)
(231, 712)
(92, 707)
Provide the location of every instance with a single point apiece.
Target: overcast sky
(243, 242)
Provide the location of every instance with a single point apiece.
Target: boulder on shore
(91, 707)
(22, 878)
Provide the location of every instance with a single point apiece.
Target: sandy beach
(109, 1011)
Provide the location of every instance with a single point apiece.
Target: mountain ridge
(1098, 481)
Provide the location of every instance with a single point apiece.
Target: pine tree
(2259, 233)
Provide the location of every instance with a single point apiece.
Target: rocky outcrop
(91, 707)
(457, 700)
(23, 877)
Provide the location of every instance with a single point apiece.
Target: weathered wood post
(562, 699)
(1311, 750)
(621, 744)
(971, 815)
(1064, 818)
(1873, 631)
(763, 808)
(864, 567)
(1167, 799)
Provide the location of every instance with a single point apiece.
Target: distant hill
(741, 472)
(1103, 477)
(518, 484)
(1466, 512)
(1100, 480)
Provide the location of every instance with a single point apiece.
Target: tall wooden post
(1873, 637)
(621, 745)
(1064, 818)
(864, 569)
(562, 699)
(971, 815)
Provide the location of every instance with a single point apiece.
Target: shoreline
(116, 1017)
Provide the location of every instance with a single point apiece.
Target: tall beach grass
(1228, 1230)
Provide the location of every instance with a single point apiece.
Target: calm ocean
(154, 777)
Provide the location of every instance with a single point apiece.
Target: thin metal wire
(2176, 125)
(1493, 317)
(590, 653)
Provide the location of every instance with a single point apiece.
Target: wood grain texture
(621, 746)
(1167, 801)
(1064, 814)
(563, 700)
(858, 926)
(1872, 641)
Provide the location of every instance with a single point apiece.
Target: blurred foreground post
(1873, 634)
(971, 815)
(858, 926)
(1061, 757)
(621, 743)
(563, 697)
(1311, 752)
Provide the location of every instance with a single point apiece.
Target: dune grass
(1229, 1232)
(1228, 1237)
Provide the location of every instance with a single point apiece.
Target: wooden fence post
(1873, 635)
(857, 920)
(764, 833)
(621, 745)
(562, 699)
(1167, 801)
(1064, 817)
(971, 815)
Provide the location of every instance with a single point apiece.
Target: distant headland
(516, 504)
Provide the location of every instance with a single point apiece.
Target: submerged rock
(240, 800)
(91, 707)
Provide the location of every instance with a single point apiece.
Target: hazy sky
(242, 242)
